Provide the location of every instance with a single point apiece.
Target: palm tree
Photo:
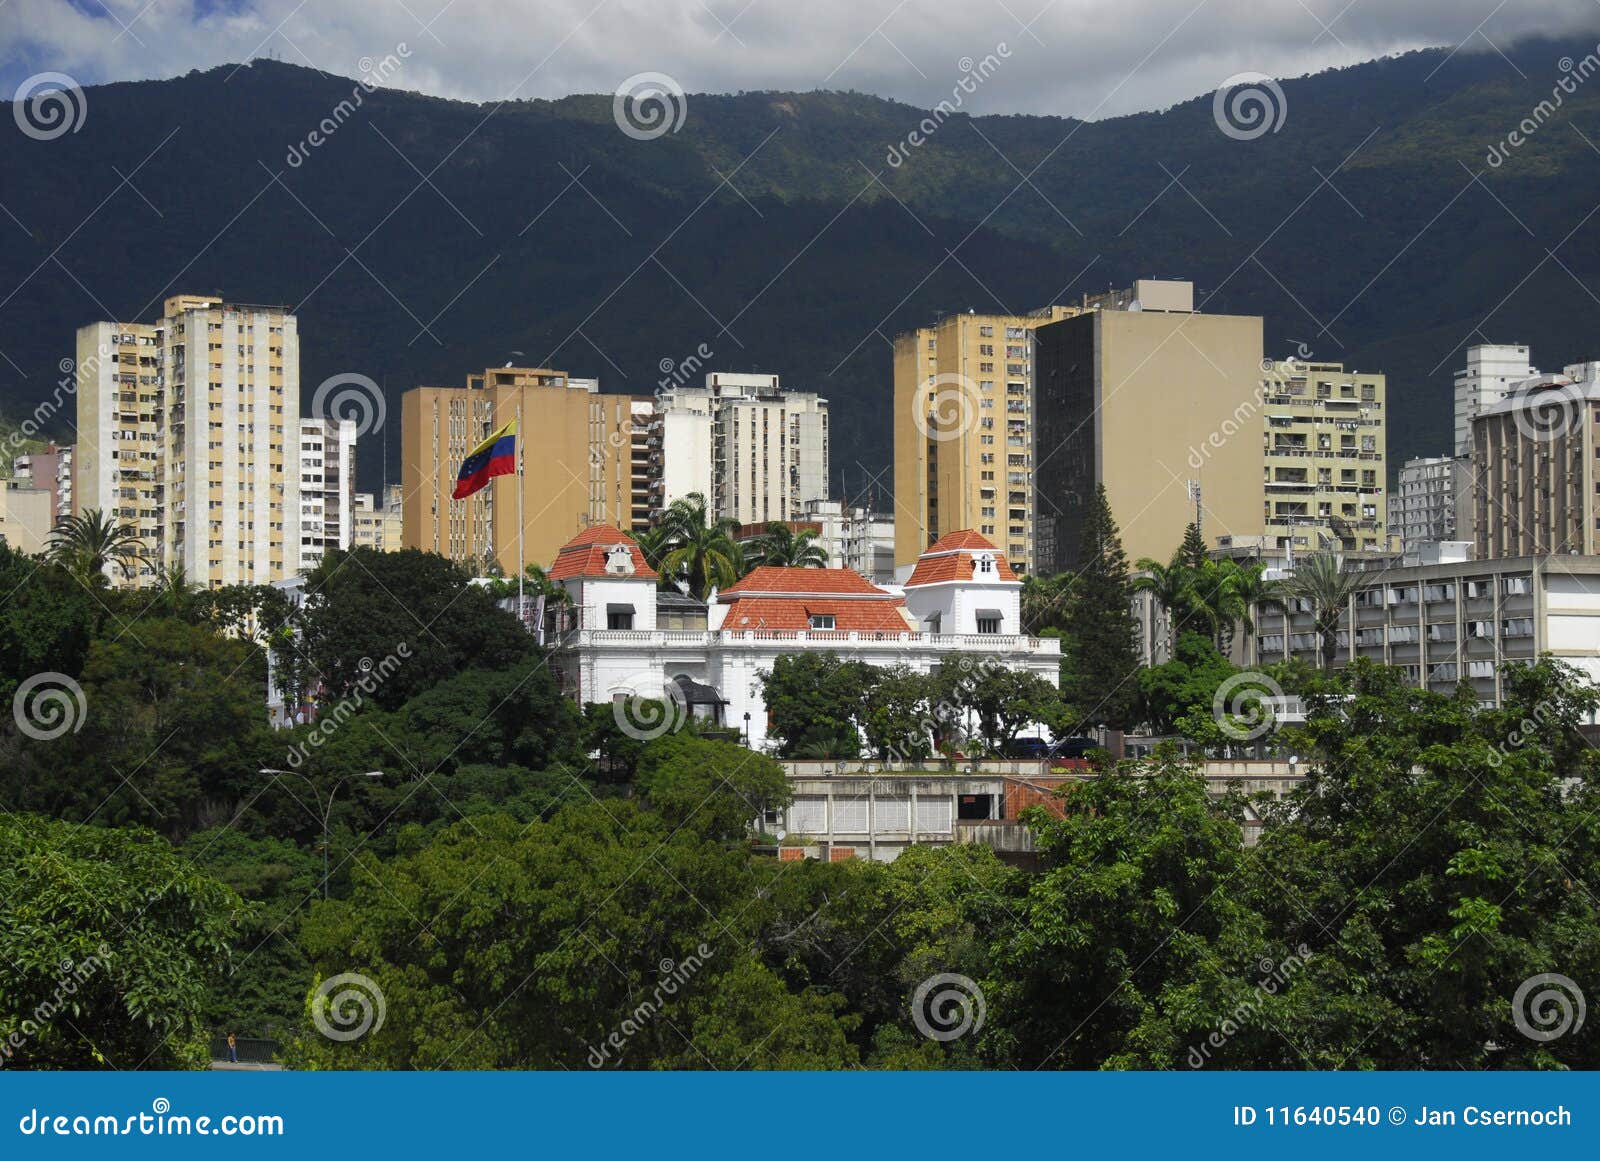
(1173, 587)
(1255, 593)
(174, 591)
(700, 551)
(1322, 581)
(782, 547)
(85, 545)
(1045, 600)
(538, 582)
(1218, 600)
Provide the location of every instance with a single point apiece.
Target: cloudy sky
(1088, 58)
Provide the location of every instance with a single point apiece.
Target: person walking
(233, 1049)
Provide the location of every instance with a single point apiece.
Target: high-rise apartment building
(1323, 473)
(187, 432)
(1423, 507)
(585, 458)
(327, 487)
(964, 438)
(1157, 402)
(1490, 372)
(755, 451)
(1536, 467)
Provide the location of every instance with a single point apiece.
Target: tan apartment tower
(586, 458)
(1156, 401)
(963, 432)
(187, 432)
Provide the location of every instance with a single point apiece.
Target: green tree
(46, 622)
(712, 788)
(1100, 673)
(415, 609)
(1045, 602)
(1184, 685)
(812, 699)
(895, 714)
(1173, 585)
(1003, 700)
(88, 543)
(1126, 940)
(1430, 865)
(109, 942)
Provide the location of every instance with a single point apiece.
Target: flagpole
(522, 614)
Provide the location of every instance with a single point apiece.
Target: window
(989, 623)
(619, 617)
(822, 620)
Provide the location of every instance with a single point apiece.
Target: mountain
(424, 238)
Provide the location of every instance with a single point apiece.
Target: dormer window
(822, 620)
(619, 561)
(983, 566)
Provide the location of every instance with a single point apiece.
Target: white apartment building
(1423, 507)
(327, 487)
(1489, 374)
(378, 528)
(756, 452)
(854, 537)
(188, 432)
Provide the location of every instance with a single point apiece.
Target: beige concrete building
(27, 515)
(1324, 473)
(380, 528)
(50, 468)
(586, 458)
(1155, 401)
(963, 432)
(187, 431)
(1534, 461)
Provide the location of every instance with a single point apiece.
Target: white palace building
(626, 638)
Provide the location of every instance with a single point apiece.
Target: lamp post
(747, 729)
(327, 811)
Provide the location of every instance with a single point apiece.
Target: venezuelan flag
(495, 456)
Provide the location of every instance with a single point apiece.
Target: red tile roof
(950, 559)
(585, 554)
(787, 598)
(792, 613)
(773, 579)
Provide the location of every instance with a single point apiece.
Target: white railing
(820, 639)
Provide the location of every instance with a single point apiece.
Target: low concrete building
(1444, 623)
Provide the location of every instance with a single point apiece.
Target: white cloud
(1087, 58)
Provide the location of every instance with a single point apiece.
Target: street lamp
(747, 728)
(327, 812)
